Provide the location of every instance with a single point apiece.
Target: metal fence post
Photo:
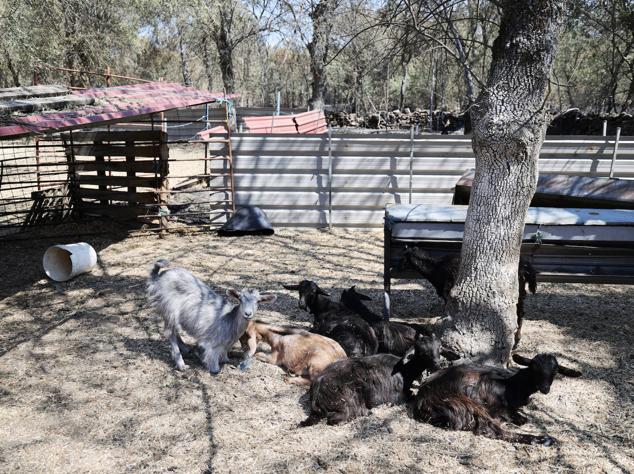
(616, 149)
(411, 161)
(329, 178)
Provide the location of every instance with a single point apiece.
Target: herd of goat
(353, 359)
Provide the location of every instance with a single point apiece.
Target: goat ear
(267, 298)
(568, 372)
(361, 296)
(322, 292)
(398, 367)
(449, 354)
(407, 357)
(291, 287)
(234, 293)
(521, 360)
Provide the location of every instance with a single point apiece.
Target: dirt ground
(87, 383)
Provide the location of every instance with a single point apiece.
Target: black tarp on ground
(248, 220)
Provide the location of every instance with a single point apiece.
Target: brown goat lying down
(477, 397)
(301, 353)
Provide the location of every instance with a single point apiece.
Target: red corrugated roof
(113, 104)
(306, 123)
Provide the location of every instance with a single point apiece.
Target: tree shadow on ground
(160, 350)
(108, 302)
(22, 259)
(102, 308)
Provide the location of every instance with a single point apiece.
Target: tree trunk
(509, 128)
(629, 100)
(209, 72)
(14, 73)
(225, 55)
(187, 77)
(69, 50)
(432, 92)
(322, 17)
(405, 59)
(466, 71)
(569, 96)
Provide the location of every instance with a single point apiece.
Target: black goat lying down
(476, 398)
(333, 320)
(442, 272)
(394, 338)
(349, 388)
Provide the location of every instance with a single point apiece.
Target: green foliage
(382, 55)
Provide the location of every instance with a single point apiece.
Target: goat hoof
(245, 364)
(182, 367)
(546, 440)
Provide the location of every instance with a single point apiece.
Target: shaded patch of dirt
(87, 382)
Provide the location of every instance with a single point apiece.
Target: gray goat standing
(187, 304)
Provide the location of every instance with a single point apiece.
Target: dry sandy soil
(87, 383)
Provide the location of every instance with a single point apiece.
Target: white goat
(187, 304)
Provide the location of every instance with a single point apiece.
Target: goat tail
(158, 266)
(528, 275)
(466, 414)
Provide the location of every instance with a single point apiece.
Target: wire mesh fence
(120, 172)
(33, 184)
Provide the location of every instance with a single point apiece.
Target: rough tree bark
(323, 17)
(225, 48)
(466, 71)
(406, 57)
(14, 73)
(209, 71)
(509, 126)
(187, 77)
(74, 79)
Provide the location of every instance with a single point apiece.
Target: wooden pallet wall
(120, 174)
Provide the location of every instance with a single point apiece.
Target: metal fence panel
(287, 176)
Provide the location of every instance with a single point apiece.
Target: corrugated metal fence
(288, 177)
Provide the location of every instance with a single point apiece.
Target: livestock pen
(88, 383)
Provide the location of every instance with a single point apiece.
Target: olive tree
(509, 126)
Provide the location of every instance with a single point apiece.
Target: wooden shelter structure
(97, 152)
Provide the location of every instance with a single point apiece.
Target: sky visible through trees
(368, 55)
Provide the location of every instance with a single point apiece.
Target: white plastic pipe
(63, 262)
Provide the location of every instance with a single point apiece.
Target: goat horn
(521, 360)
(562, 369)
(568, 372)
(449, 354)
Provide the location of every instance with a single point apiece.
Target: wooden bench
(563, 244)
